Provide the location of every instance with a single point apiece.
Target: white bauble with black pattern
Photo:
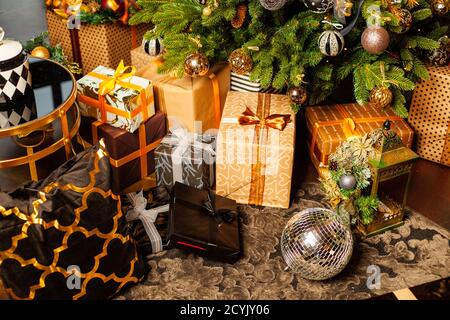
(153, 47)
(331, 43)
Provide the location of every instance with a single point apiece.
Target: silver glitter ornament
(347, 182)
(331, 43)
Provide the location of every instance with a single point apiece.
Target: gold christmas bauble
(40, 52)
(440, 7)
(405, 20)
(298, 95)
(207, 11)
(375, 39)
(240, 61)
(381, 97)
(196, 64)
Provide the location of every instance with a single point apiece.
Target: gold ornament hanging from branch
(381, 97)
(196, 64)
(240, 61)
(241, 13)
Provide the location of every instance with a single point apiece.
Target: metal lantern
(391, 165)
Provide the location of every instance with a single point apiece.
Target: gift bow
(119, 75)
(274, 121)
(221, 215)
(148, 217)
(183, 139)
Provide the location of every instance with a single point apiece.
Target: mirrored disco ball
(317, 244)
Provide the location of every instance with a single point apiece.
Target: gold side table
(30, 151)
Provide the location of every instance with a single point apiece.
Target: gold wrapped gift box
(255, 152)
(329, 126)
(104, 44)
(187, 101)
(139, 58)
(429, 116)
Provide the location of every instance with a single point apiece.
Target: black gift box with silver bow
(204, 223)
(186, 157)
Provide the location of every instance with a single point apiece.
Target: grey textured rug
(416, 253)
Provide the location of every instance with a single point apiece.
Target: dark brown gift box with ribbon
(204, 223)
(187, 101)
(255, 149)
(131, 154)
(104, 44)
(329, 126)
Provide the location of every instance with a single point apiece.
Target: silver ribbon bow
(147, 216)
(183, 140)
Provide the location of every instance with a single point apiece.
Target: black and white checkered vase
(17, 103)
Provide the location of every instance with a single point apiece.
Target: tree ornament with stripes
(272, 5)
(153, 47)
(331, 43)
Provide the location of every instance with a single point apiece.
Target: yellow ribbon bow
(119, 75)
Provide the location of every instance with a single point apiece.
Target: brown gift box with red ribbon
(329, 126)
(429, 116)
(255, 149)
(131, 154)
(104, 44)
(187, 101)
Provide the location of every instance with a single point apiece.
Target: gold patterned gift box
(429, 116)
(104, 44)
(190, 102)
(255, 149)
(139, 58)
(330, 125)
(126, 104)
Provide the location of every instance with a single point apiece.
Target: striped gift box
(242, 83)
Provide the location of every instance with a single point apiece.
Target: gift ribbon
(141, 153)
(274, 121)
(108, 85)
(147, 217)
(184, 140)
(261, 119)
(348, 125)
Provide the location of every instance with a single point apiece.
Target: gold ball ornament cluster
(196, 64)
(40, 52)
(381, 97)
(240, 61)
(375, 39)
(297, 95)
